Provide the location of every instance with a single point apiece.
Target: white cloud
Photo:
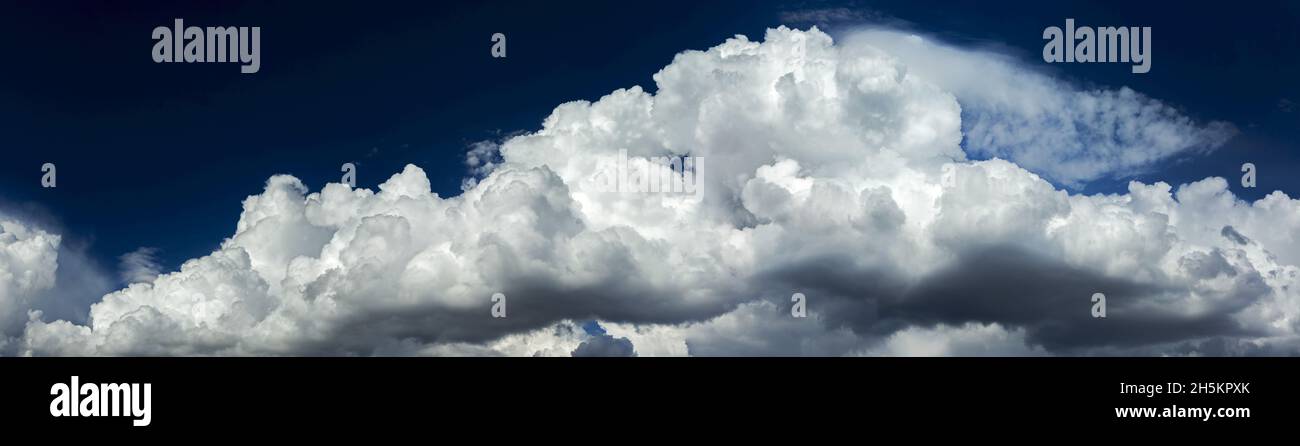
(968, 340)
(834, 171)
(28, 263)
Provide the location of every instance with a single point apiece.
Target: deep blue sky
(162, 155)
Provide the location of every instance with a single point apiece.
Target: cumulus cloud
(836, 171)
(28, 263)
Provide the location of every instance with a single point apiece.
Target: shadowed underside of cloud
(836, 171)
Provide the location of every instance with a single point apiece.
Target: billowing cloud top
(835, 171)
(28, 262)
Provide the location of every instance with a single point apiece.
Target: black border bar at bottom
(322, 396)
